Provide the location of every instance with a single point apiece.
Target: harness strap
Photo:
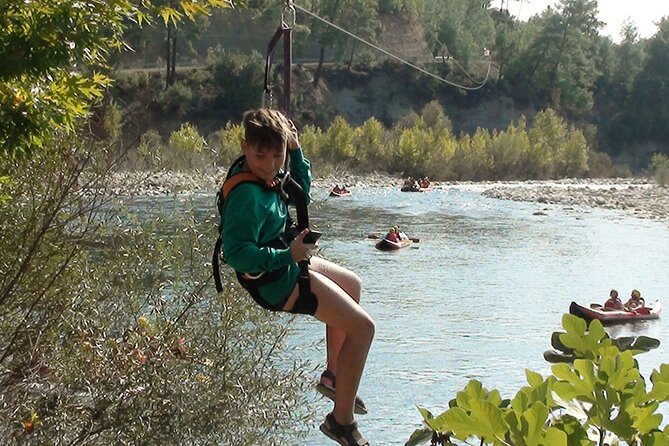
(295, 190)
(243, 177)
(231, 181)
(215, 265)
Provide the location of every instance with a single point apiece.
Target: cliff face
(390, 92)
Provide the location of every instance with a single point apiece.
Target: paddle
(376, 237)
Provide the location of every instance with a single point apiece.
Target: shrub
(311, 140)
(178, 99)
(111, 332)
(238, 77)
(226, 144)
(659, 165)
(599, 399)
(434, 117)
(368, 145)
(338, 141)
(600, 165)
(150, 151)
(186, 148)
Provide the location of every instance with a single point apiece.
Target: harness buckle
(250, 276)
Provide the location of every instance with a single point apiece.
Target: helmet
(636, 294)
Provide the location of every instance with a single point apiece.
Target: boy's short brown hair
(266, 128)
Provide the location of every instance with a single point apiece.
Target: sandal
(329, 392)
(348, 435)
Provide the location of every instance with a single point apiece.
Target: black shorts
(306, 302)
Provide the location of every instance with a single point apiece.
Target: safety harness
(289, 190)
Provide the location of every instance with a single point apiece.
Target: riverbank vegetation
(110, 329)
(112, 332)
(609, 89)
(419, 145)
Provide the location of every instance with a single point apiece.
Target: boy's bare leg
(349, 282)
(338, 310)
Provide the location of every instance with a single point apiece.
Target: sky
(614, 12)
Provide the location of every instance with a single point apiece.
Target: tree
(55, 60)
(651, 87)
(464, 28)
(563, 57)
(359, 17)
(620, 64)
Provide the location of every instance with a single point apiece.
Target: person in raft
(392, 235)
(614, 302)
(635, 301)
(254, 217)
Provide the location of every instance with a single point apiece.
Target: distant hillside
(387, 91)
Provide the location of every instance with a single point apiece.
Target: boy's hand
(300, 250)
(293, 142)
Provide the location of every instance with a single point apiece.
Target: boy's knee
(356, 283)
(368, 327)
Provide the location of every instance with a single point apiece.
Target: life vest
(289, 190)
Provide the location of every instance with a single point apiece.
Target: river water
(480, 294)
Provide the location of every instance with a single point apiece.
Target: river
(478, 296)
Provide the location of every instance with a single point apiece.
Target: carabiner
(267, 99)
(288, 9)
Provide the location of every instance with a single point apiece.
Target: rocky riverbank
(638, 196)
(133, 183)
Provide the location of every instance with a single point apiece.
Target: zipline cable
(415, 67)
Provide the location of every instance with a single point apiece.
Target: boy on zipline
(258, 245)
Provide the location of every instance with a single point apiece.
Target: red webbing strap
(268, 56)
(284, 31)
(287, 64)
(236, 180)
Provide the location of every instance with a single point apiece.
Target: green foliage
(463, 28)
(508, 149)
(601, 394)
(650, 112)
(419, 145)
(338, 141)
(560, 62)
(112, 122)
(111, 332)
(424, 145)
(226, 143)
(555, 149)
(177, 99)
(237, 77)
(54, 57)
(186, 148)
(599, 165)
(150, 152)
(659, 165)
(311, 140)
(357, 16)
(369, 145)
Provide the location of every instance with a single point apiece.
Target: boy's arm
(243, 218)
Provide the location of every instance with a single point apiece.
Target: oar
(376, 237)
